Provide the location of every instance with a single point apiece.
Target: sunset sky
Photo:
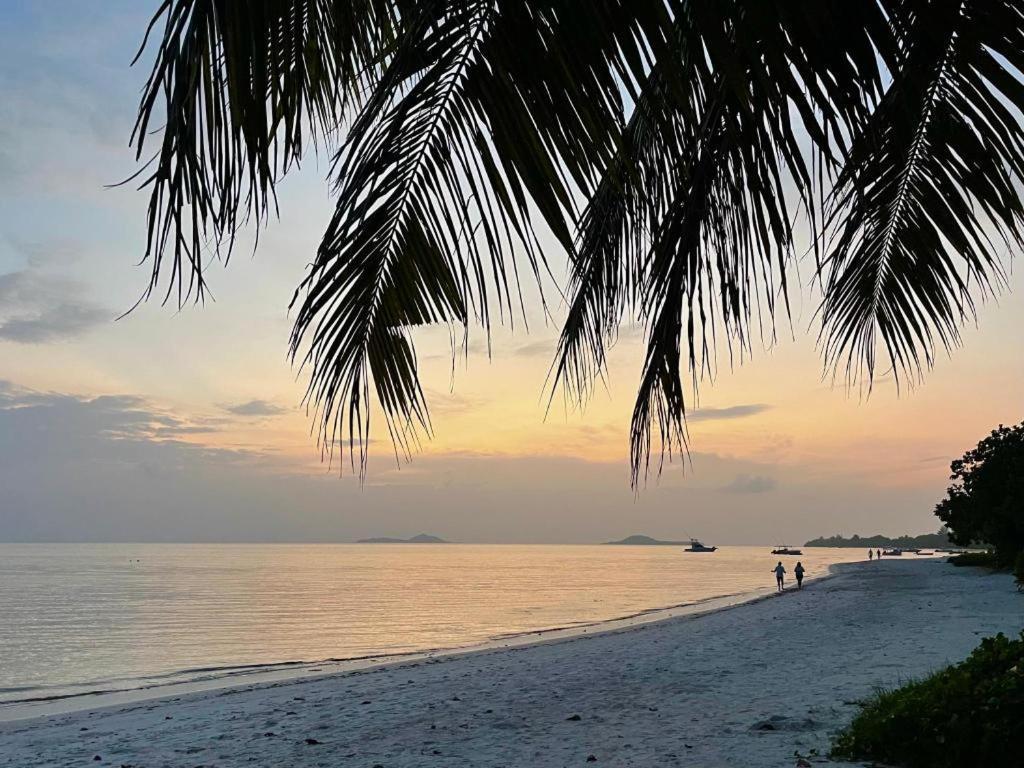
(187, 425)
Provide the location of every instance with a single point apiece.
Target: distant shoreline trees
(924, 541)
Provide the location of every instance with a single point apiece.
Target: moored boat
(696, 546)
(783, 549)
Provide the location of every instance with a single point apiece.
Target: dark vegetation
(985, 502)
(970, 714)
(978, 559)
(924, 541)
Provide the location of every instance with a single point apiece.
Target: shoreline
(284, 671)
(743, 688)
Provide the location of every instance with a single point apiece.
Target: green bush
(1018, 571)
(983, 559)
(969, 714)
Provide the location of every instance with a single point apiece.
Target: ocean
(85, 618)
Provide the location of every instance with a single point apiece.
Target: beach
(749, 685)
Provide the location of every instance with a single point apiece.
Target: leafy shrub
(969, 714)
(1018, 571)
(983, 559)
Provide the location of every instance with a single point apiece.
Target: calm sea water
(81, 617)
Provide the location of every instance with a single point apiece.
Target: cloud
(628, 332)
(57, 251)
(473, 347)
(744, 483)
(254, 408)
(452, 403)
(540, 348)
(116, 468)
(36, 308)
(65, 321)
(731, 412)
(107, 417)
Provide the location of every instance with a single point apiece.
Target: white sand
(685, 691)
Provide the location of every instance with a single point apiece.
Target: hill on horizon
(421, 538)
(640, 539)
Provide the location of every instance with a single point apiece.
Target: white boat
(696, 546)
(892, 552)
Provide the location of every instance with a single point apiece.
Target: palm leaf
(691, 226)
(670, 146)
(930, 191)
(242, 87)
(434, 192)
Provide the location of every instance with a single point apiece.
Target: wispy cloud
(730, 412)
(751, 484)
(36, 308)
(108, 417)
(49, 252)
(452, 403)
(59, 323)
(254, 408)
(539, 348)
(473, 347)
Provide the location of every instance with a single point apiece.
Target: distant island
(423, 538)
(924, 541)
(639, 539)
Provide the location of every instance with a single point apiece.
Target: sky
(187, 425)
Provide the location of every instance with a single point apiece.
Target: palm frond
(393, 255)
(243, 87)
(669, 146)
(691, 225)
(435, 183)
(930, 193)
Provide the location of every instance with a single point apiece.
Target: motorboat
(786, 550)
(696, 546)
(892, 552)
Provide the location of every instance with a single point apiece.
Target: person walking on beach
(780, 574)
(799, 573)
(871, 554)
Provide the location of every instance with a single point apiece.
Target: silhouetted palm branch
(670, 146)
(930, 186)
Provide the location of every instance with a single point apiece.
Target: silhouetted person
(878, 554)
(871, 554)
(799, 573)
(780, 574)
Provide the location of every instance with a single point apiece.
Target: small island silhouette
(422, 538)
(640, 539)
